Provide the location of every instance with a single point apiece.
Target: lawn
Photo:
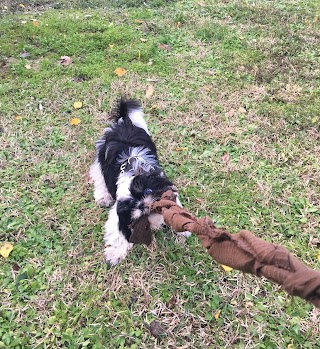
(235, 115)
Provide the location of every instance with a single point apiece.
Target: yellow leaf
(217, 314)
(319, 255)
(18, 117)
(6, 249)
(143, 40)
(149, 91)
(226, 268)
(75, 121)
(77, 105)
(21, 6)
(111, 45)
(139, 55)
(290, 346)
(120, 71)
(35, 23)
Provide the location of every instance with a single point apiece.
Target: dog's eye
(147, 191)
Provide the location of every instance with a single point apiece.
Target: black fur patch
(120, 138)
(124, 208)
(155, 181)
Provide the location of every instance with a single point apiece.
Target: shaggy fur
(127, 171)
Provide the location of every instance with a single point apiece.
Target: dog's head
(147, 188)
(144, 190)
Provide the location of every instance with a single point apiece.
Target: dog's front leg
(116, 244)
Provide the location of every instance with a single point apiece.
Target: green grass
(56, 291)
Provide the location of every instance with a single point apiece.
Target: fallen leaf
(164, 47)
(35, 23)
(138, 21)
(217, 314)
(139, 55)
(154, 106)
(28, 66)
(75, 121)
(111, 45)
(15, 266)
(226, 268)
(120, 71)
(181, 148)
(6, 249)
(230, 112)
(149, 91)
(200, 3)
(143, 40)
(290, 346)
(156, 330)
(77, 105)
(21, 6)
(225, 158)
(248, 304)
(150, 62)
(24, 54)
(241, 110)
(319, 255)
(17, 117)
(172, 302)
(65, 60)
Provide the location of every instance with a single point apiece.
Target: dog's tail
(130, 110)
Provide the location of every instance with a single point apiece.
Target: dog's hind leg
(116, 245)
(101, 194)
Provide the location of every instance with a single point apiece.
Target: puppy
(127, 170)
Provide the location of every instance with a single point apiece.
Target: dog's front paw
(115, 254)
(105, 200)
(186, 233)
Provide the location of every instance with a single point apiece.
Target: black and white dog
(127, 170)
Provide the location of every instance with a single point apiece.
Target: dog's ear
(141, 231)
(124, 206)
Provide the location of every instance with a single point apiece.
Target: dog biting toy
(242, 251)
